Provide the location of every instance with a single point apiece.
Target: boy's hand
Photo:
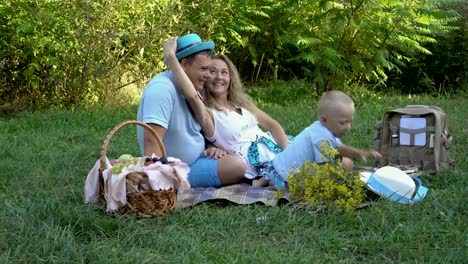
(369, 154)
(374, 155)
(214, 153)
(170, 47)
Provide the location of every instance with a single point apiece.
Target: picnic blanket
(238, 193)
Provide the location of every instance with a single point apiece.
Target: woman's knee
(231, 169)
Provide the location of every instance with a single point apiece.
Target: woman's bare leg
(231, 170)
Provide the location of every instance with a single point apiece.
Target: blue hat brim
(208, 45)
(420, 192)
(194, 49)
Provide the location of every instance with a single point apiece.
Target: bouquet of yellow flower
(328, 186)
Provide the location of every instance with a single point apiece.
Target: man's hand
(214, 153)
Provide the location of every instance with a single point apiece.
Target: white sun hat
(394, 184)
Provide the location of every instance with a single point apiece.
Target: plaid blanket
(238, 193)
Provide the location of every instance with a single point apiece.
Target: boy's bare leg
(231, 170)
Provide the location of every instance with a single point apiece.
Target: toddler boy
(335, 117)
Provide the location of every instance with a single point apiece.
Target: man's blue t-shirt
(162, 104)
(305, 147)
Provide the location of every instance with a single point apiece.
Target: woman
(227, 116)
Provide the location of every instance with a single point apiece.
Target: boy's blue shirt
(305, 147)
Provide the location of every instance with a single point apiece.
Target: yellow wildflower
(328, 186)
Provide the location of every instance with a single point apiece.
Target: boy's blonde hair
(330, 101)
(236, 93)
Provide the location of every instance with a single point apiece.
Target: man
(165, 109)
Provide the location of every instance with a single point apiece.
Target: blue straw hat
(190, 44)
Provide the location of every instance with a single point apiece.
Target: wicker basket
(140, 202)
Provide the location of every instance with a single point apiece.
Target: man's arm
(150, 144)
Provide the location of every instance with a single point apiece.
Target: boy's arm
(184, 84)
(350, 152)
(273, 126)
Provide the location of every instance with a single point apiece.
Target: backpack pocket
(378, 136)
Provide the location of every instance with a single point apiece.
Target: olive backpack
(416, 136)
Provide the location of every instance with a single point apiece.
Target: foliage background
(64, 54)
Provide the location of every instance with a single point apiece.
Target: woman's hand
(214, 153)
(170, 47)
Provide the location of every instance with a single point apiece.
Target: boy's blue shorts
(204, 173)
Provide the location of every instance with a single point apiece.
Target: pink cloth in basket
(160, 176)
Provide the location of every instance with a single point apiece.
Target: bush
(444, 70)
(68, 53)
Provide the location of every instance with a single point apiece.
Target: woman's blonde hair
(236, 94)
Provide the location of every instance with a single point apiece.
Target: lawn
(45, 157)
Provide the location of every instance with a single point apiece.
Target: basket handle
(117, 128)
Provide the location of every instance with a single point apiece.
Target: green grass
(45, 158)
